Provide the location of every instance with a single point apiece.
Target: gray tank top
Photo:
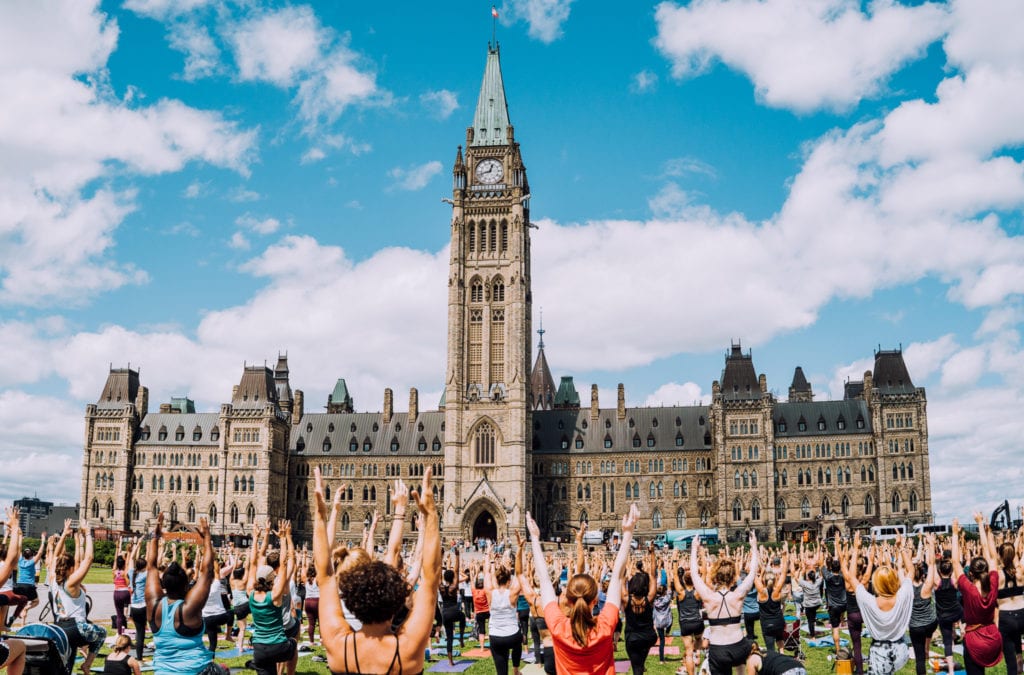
(923, 611)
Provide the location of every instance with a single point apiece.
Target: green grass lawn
(817, 662)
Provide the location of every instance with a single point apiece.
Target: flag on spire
(494, 11)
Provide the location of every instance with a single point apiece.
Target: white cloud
(278, 47)
(61, 132)
(313, 155)
(670, 202)
(202, 55)
(184, 227)
(258, 225)
(644, 81)
(165, 9)
(674, 393)
(414, 177)
(681, 166)
(194, 190)
(964, 368)
(801, 55)
(239, 242)
(33, 444)
(924, 358)
(544, 18)
(242, 194)
(291, 49)
(441, 103)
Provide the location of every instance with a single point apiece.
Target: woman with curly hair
(638, 609)
(375, 592)
(584, 644)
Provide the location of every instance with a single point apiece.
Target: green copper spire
(491, 123)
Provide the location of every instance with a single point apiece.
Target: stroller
(47, 650)
(791, 640)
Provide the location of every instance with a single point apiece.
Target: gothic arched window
(737, 510)
(484, 444)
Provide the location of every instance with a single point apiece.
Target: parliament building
(504, 438)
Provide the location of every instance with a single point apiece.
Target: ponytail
(581, 592)
(263, 586)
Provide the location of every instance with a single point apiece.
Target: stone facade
(503, 441)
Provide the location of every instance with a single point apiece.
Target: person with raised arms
(12, 650)
(723, 601)
(583, 643)
(175, 610)
(375, 592)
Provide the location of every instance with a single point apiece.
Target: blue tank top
(26, 571)
(138, 580)
(178, 654)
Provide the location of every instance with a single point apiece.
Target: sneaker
(249, 665)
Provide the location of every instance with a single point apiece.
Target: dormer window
(145, 433)
(394, 445)
(309, 427)
(436, 446)
(179, 433)
(636, 441)
(330, 428)
(607, 441)
(162, 434)
(353, 445)
(841, 424)
(215, 434)
(679, 440)
(860, 422)
(782, 426)
(821, 425)
(327, 445)
(300, 444)
(650, 441)
(352, 428)
(197, 434)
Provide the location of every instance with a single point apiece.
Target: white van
(593, 537)
(887, 532)
(931, 528)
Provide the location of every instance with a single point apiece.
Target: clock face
(489, 171)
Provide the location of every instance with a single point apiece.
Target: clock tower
(487, 383)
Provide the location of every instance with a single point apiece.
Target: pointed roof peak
(491, 122)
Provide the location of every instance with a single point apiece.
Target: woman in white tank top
(502, 593)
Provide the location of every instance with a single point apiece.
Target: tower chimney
(298, 410)
(762, 382)
(868, 384)
(388, 406)
(414, 405)
(622, 402)
(595, 408)
(234, 392)
(142, 402)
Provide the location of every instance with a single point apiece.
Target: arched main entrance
(485, 527)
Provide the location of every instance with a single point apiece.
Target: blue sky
(191, 185)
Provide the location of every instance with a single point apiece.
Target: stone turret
(621, 405)
(389, 406)
(595, 404)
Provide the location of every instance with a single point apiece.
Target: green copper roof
(490, 123)
(340, 393)
(444, 395)
(183, 404)
(567, 395)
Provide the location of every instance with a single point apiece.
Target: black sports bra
(726, 620)
(355, 653)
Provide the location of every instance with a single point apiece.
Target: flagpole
(494, 26)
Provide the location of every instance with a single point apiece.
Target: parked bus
(931, 528)
(887, 532)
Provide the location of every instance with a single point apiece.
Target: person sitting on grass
(120, 661)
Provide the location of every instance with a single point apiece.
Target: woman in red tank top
(978, 586)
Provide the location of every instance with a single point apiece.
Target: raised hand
(204, 527)
(629, 520)
(318, 494)
(531, 527)
(400, 498)
(425, 498)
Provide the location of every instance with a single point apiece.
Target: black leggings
(1011, 624)
(855, 622)
(524, 623)
(213, 624)
(535, 634)
(138, 615)
(481, 624)
(970, 665)
(812, 614)
(946, 628)
(749, 621)
(638, 646)
(918, 637)
(449, 616)
(501, 645)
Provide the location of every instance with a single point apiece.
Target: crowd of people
(379, 611)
